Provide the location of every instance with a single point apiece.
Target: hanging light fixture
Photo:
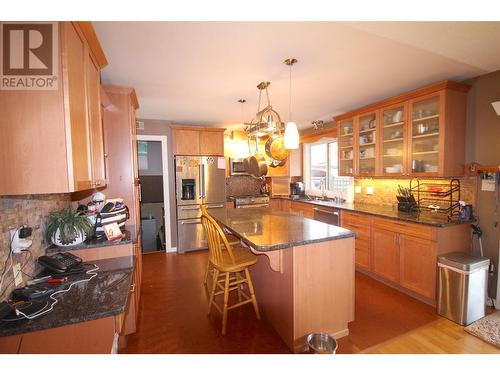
(291, 132)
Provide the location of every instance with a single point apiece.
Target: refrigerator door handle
(191, 221)
(200, 179)
(214, 206)
(202, 184)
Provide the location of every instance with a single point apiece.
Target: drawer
(355, 219)
(415, 230)
(361, 231)
(362, 244)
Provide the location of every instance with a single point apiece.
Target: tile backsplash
(33, 211)
(243, 185)
(385, 190)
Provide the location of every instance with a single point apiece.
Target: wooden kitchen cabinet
(120, 137)
(93, 80)
(417, 134)
(385, 254)
(55, 146)
(212, 142)
(418, 265)
(361, 225)
(195, 140)
(302, 209)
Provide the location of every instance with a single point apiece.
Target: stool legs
(252, 293)
(212, 292)
(226, 300)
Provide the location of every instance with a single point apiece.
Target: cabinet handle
(132, 288)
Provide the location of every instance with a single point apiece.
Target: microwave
(237, 167)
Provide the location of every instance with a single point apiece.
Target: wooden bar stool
(228, 261)
(231, 239)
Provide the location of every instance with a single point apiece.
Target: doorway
(154, 202)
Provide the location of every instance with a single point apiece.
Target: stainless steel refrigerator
(198, 180)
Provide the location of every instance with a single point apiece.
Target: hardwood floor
(439, 337)
(173, 319)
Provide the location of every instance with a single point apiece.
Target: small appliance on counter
(297, 190)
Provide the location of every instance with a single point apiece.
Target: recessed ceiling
(194, 72)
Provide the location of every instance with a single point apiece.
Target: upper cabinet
(346, 147)
(196, 140)
(52, 139)
(421, 134)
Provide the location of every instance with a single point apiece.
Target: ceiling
(194, 72)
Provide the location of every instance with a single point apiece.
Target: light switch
(357, 189)
(369, 190)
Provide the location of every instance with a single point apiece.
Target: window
(321, 165)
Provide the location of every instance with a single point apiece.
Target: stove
(250, 201)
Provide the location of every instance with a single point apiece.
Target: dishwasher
(327, 215)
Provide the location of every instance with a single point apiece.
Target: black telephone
(60, 262)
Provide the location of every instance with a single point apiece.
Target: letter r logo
(27, 49)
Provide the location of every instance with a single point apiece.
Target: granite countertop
(105, 295)
(265, 229)
(424, 217)
(130, 236)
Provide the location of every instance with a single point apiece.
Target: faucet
(322, 185)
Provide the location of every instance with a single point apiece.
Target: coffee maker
(297, 190)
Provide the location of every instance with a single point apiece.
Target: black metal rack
(442, 196)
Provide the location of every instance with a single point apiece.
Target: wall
(483, 145)
(33, 211)
(162, 127)
(154, 164)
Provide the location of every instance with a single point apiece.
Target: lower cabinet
(361, 225)
(418, 265)
(302, 209)
(402, 253)
(386, 260)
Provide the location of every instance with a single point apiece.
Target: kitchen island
(304, 276)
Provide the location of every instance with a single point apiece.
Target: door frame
(166, 190)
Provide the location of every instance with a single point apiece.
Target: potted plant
(67, 228)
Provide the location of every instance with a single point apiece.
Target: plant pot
(80, 237)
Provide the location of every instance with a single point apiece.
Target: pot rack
(267, 120)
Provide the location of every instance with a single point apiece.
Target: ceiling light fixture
(291, 132)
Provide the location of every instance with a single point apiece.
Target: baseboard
(171, 250)
(398, 287)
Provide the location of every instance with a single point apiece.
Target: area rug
(487, 329)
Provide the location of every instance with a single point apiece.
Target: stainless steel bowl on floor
(321, 343)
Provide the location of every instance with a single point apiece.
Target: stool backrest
(215, 238)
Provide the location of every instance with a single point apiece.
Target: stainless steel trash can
(321, 343)
(462, 287)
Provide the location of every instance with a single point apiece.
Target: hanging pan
(257, 162)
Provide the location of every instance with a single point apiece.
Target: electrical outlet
(369, 190)
(18, 276)
(357, 189)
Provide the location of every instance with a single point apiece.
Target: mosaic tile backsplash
(385, 190)
(33, 211)
(243, 185)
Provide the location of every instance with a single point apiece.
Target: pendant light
(291, 132)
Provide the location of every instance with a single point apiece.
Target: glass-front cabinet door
(425, 137)
(367, 144)
(346, 147)
(393, 131)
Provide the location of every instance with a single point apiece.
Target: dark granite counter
(265, 229)
(424, 217)
(130, 236)
(105, 295)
